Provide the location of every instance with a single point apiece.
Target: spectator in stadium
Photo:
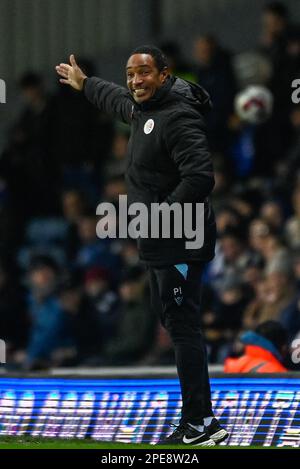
(266, 242)
(104, 301)
(258, 233)
(25, 163)
(113, 187)
(81, 146)
(289, 167)
(275, 254)
(214, 72)
(162, 352)
(260, 293)
(14, 322)
(292, 226)
(223, 320)
(8, 237)
(116, 163)
(49, 329)
(177, 63)
(271, 212)
(276, 32)
(296, 267)
(232, 258)
(74, 206)
(276, 300)
(227, 218)
(137, 322)
(129, 253)
(93, 251)
(83, 324)
(264, 352)
(44, 236)
(223, 181)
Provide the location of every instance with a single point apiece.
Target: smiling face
(143, 76)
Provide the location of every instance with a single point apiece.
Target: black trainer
(185, 434)
(216, 432)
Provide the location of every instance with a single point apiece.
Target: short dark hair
(159, 57)
(277, 8)
(274, 332)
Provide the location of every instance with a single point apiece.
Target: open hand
(71, 74)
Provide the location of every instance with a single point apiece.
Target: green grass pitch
(23, 442)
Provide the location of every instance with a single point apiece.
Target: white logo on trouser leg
(178, 296)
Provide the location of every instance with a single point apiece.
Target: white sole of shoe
(219, 436)
(209, 442)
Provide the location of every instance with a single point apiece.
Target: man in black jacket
(168, 162)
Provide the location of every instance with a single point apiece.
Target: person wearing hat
(264, 350)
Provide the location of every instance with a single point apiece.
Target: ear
(165, 73)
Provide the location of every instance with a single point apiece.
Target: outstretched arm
(108, 97)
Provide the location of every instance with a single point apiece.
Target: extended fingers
(63, 70)
(73, 61)
(66, 82)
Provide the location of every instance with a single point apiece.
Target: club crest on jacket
(149, 126)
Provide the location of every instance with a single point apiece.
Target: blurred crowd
(69, 298)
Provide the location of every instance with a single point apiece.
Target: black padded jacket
(168, 158)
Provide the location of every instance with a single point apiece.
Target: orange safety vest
(255, 360)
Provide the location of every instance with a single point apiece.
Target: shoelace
(179, 430)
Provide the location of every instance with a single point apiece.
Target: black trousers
(175, 293)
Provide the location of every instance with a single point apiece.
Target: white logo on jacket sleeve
(149, 126)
